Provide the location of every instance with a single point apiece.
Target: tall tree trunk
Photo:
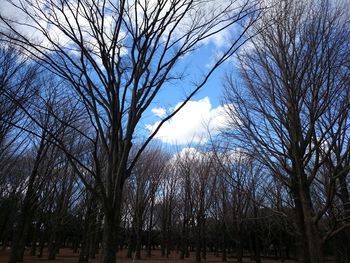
(35, 238)
(132, 241)
(110, 228)
(95, 229)
(345, 198)
(184, 239)
(53, 242)
(4, 227)
(109, 243)
(168, 231)
(301, 244)
(344, 194)
(314, 241)
(164, 230)
(309, 238)
(20, 236)
(26, 212)
(84, 253)
(257, 247)
(224, 242)
(204, 240)
(198, 239)
(138, 234)
(239, 243)
(150, 225)
(41, 243)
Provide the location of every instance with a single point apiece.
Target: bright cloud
(46, 22)
(159, 112)
(191, 123)
(208, 13)
(209, 20)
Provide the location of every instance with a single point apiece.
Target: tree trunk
(239, 243)
(184, 239)
(198, 240)
(53, 243)
(224, 243)
(149, 236)
(257, 247)
(20, 235)
(301, 244)
(164, 230)
(311, 232)
(256, 237)
(4, 228)
(131, 243)
(138, 235)
(35, 238)
(25, 216)
(310, 241)
(138, 248)
(203, 240)
(168, 231)
(41, 243)
(94, 240)
(84, 253)
(345, 198)
(109, 244)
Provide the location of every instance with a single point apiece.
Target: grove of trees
(76, 170)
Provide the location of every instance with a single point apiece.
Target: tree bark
(138, 234)
(149, 236)
(224, 243)
(310, 241)
(110, 227)
(18, 243)
(84, 253)
(35, 238)
(109, 244)
(239, 243)
(198, 239)
(311, 232)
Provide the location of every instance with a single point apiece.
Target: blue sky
(204, 109)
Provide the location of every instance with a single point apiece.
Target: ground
(67, 256)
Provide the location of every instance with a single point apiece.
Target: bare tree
(293, 93)
(194, 168)
(184, 169)
(45, 159)
(239, 199)
(167, 194)
(117, 57)
(142, 188)
(17, 77)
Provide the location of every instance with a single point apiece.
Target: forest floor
(67, 256)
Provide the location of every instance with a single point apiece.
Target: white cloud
(191, 123)
(214, 14)
(45, 23)
(159, 112)
(189, 153)
(208, 19)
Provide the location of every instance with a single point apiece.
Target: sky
(204, 115)
(205, 112)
